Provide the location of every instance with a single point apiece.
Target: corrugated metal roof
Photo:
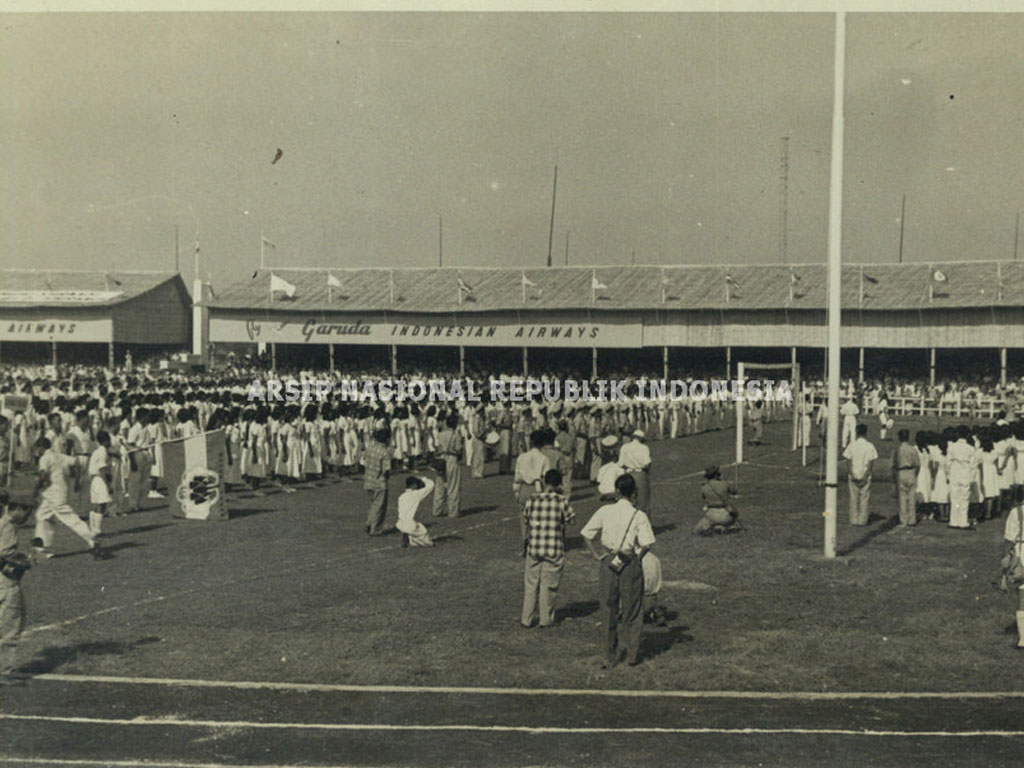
(871, 287)
(24, 288)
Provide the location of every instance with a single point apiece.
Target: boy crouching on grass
(417, 488)
(13, 564)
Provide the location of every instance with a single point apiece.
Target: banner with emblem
(194, 472)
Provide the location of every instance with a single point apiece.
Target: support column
(664, 363)
(739, 420)
(728, 363)
(526, 362)
(53, 352)
(931, 367)
(273, 357)
(394, 359)
(330, 356)
(593, 363)
(462, 360)
(1002, 367)
(860, 366)
(110, 355)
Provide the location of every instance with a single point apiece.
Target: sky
(668, 130)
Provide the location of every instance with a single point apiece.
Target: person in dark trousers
(377, 463)
(618, 535)
(906, 463)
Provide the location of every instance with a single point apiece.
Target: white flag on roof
(332, 281)
(282, 285)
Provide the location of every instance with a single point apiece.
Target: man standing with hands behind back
(625, 536)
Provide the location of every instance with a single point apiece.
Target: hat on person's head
(639, 433)
(710, 471)
(609, 440)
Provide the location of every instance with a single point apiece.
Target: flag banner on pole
(282, 285)
(267, 242)
(596, 284)
(463, 286)
(332, 281)
(527, 282)
(194, 471)
(939, 276)
(729, 279)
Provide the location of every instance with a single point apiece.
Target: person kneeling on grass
(417, 488)
(719, 512)
(654, 613)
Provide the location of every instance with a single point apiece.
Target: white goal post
(743, 371)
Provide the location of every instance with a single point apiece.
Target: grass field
(291, 589)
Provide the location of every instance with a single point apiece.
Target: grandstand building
(608, 318)
(91, 317)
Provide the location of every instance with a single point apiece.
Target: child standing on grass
(99, 483)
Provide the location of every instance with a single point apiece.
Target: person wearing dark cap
(719, 511)
(545, 516)
(618, 535)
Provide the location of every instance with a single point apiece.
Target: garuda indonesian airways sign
(425, 331)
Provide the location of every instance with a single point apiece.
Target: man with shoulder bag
(618, 535)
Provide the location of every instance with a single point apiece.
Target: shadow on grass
(656, 643)
(577, 610)
(108, 548)
(248, 512)
(54, 657)
(143, 528)
(478, 510)
(659, 529)
(448, 537)
(868, 537)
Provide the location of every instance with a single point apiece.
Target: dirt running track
(69, 720)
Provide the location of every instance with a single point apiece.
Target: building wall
(913, 329)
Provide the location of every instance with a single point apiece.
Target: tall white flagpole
(835, 261)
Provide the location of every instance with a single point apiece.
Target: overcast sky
(666, 129)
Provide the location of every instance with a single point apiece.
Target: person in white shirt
(55, 472)
(849, 411)
(1013, 533)
(606, 478)
(963, 459)
(531, 466)
(635, 458)
(414, 533)
(99, 483)
(618, 535)
(860, 454)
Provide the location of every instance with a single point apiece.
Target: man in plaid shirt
(545, 516)
(377, 461)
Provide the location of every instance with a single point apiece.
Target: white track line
(434, 689)
(528, 729)
(13, 760)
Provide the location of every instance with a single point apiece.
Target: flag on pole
(262, 239)
(665, 283)
(938, 276)
(281, 285)
(194, 469)
(332, 281)
(730, 283)
(595, 285)
(464, 287)
(391, 286)
(527, 283)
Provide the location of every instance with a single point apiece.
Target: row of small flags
(280, 285)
